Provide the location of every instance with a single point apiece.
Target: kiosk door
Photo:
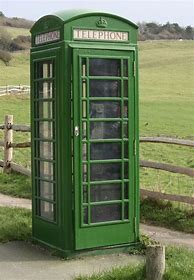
(103, 98)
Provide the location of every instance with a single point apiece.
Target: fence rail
(9, 165)
(12, 89)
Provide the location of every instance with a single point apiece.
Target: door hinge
(134, 147)
(134, 68)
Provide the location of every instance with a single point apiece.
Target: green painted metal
(65, 229)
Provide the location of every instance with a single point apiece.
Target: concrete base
(24, 261)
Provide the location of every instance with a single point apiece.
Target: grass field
(166, 108)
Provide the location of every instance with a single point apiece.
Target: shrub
(5, 57)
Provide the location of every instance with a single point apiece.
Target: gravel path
(6, 200)
(163, 235)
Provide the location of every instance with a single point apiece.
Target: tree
(189, 34)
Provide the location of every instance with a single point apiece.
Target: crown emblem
(101, 22)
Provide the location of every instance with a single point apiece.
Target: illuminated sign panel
(100, 35)
(47, 37)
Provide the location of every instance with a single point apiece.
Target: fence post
(8, 138)
(155, 262)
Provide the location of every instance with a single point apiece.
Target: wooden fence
(10, 89)
(8, 164)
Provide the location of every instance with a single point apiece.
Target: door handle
(76, 131)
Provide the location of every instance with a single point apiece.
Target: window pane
(84, 130)
(45, 90)
(46, 130)
(85, 212)
(105, 130)
(85, 194)
(125, 88)
(126, 211)
(125, 67)
(104, 67)
(45, 110)
(108, 171)
(84, 151)
(105, 109)
(45, 69)
(105, 192)
(46, 150)
(125, 109)
(85, 173)
(104, 88)
(46, 190)
(105, 151)
(46, 170)
(47, 210)
(104, 213)
(126, 150)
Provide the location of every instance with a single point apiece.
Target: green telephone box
(84, 118)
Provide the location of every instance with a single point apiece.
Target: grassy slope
(166, 105)
(166, 108)
(14, 31)
(18, 70)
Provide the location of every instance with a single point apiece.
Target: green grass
(166, 214)
(18, 71)
(15, 185)
(166, 109)
(15, 224)
(179, 266)
(19, 107)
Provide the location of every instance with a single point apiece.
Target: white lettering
(47, 37)
(101, 35)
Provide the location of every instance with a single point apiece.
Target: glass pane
(105, 130)
(45, 69)
(83, 67)
(108, 171)
(85, 194)
(46, 190)
(45, 90)
(84, 130)
(105, 151)
(126, 150)
(84, 151)
(46, 170)
(125, 88)
(105, 213)
(105, 192)
(47, 210)
(126, 171)
(84, 93)
(45, 110)
(46, 150)
(125, 68)
(125, 111)
(84, 109)
(85, 173)
(105, 88)
(126, 190)
(105, 109)
(46, 130)
(104, 67)
(125, 130)
(85, 210)
(126, 211)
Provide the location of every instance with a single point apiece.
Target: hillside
(166, 107)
